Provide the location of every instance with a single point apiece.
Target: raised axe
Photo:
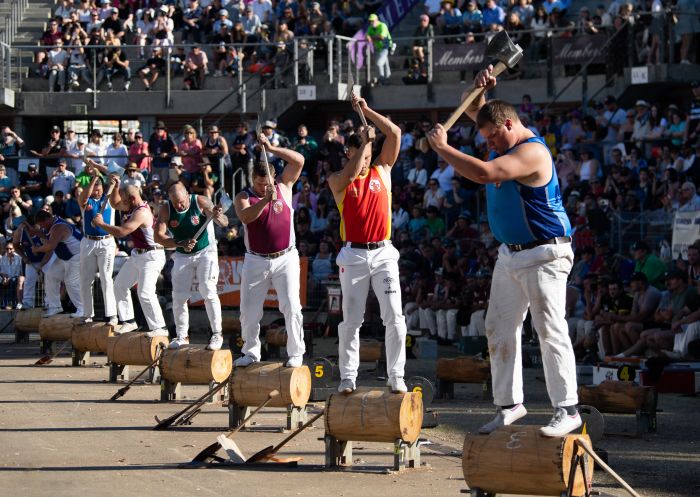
(224, 440)
(508, 54)
(225, 203)
(263, 153)
(105, 200)
(371, 135)
(269, 452)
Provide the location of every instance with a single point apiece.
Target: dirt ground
(61, 436)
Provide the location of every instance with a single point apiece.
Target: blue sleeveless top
(92, 208)
(27, 243)
(67, 249)
(520, 214)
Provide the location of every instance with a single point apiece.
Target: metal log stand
(296, 416)
(120, 372)
(339, 453)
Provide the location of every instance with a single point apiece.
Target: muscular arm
(206, 205)
(160, 234)
(87, 192)
(140, 218)
(56, 235)
(295, 163)
(392, 142)
(248, 213)
(340, 180)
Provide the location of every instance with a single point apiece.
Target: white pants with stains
(534, 278)
(68, 272)
(97, 256)
(257, 277)
(358, 269)
(205, 266)
(141, 269)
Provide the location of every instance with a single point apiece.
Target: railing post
(168, 76)
(329, 51)
(296, 61)
(339, 60)
(94, 78)
(550, 68)
(263, 99)
(244, 99)
(310, 59)
(368, 61)
(19, 66)
(430, 60)
(240, 72)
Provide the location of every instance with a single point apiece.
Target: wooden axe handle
(270, 181)
(476, 92)
(110, 189)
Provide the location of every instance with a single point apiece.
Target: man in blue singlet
(26, 237)
(527, 216)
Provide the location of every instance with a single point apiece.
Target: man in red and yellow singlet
(362, 190)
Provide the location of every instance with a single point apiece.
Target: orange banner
(229, 285)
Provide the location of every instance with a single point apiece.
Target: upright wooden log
(371, 350)
(91, 337)
(28, 320)
(134, 348)
(230, 325)
(622, 397)
(465, 369)
(57, 328)
(251, 385)
(277, 337)
(519, 460)
(193, 364)
(374, 415)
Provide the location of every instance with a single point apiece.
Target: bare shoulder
(243, 195)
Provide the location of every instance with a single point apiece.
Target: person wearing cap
(268, 129)
(97, 250)
(153, 68)
(179, 220)
(10, 143)
(138, 153)
(672, 308)
(378, 34)
(648, 263)
(526, 214)
(252, 24)
(132, 176)
(162, 147)
(202, 182)
(361, 190)
(61, 179)
(114, 23)
(54, 148)
(95, 151)
(145, 264)
(222, 21)
(271, 259)
(215, 147)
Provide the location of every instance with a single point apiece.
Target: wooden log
(91, 337)
(621, 397)
(250, 386)
(193, 364)
(465, 369)
(28, 320)
(371, 350)
(230, 325)
(134, 348)
(519, 460)
(57, 328)
(374, 415)
(277, 337)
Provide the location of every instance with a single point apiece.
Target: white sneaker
(347, 386)
(216, 341)
(178, 342)
(51, 312)
(113, 321)
(160, 332)
(86, 321)
(295, 361)
(244, 361)
(125, 328)
(397, 385)
(504, 417)
(561, 423)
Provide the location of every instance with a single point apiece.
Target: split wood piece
(122, 391)
(465, 369)
(619, 397)
(251, 385)
(374, 415)
(582, 443)
(134, 348)
(57, 328)
(162, 424)
(28, 320)
(277, 337)
(193, 364)
(371, 350)
(519, 460)
(268, 453)
(91, 337)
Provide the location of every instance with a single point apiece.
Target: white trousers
(477, 324)
(410, 311)
(67, 272)
(358, 269)
(205, 266)
(31, 278)
(690, 333)
(258, 275)
(447, 323)
(97, 256)
(141, 270)
(428, 320)
(534, 278)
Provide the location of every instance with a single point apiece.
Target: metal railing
(5, 66)
(13, 20)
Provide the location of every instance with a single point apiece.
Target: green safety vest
(184, 225)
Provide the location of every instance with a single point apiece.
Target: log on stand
(465, 369)
(275, 339)
(519, 460)
(132, 349)
(87, 338)
(623, 397)
(192, 365)
(56, 328)
(373, 415)
(250, 386)
(26, 322)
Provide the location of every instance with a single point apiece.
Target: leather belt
(90, 237)
(525, 246)
(144, 250)
(273, 255)
(368, 246)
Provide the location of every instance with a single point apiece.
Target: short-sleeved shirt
(653, 268)
(381, 30)
(646, 301)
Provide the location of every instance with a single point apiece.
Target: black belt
(90, 237)
(552, 241)
(273, 255)
(368, 246)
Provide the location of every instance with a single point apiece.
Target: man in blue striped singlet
(534, 260)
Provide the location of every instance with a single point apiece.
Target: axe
(225, 203)
(263, 153)
(351, 92)
(508, 54)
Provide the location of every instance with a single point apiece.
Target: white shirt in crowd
(418, 177)
(63, 182)
(58, 57)
(407, 141)
(119, 154)
(11, 265)
(261, 8)
(98, 150)
(399, 219)
(444, 177)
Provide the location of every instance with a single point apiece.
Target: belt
(273, 255)
(368, 246)
(90, 237)
(144, 250)
(552, 241)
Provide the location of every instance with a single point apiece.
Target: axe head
(502, 48)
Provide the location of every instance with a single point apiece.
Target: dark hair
(42, 216)
(354, 140)
(261, 170)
